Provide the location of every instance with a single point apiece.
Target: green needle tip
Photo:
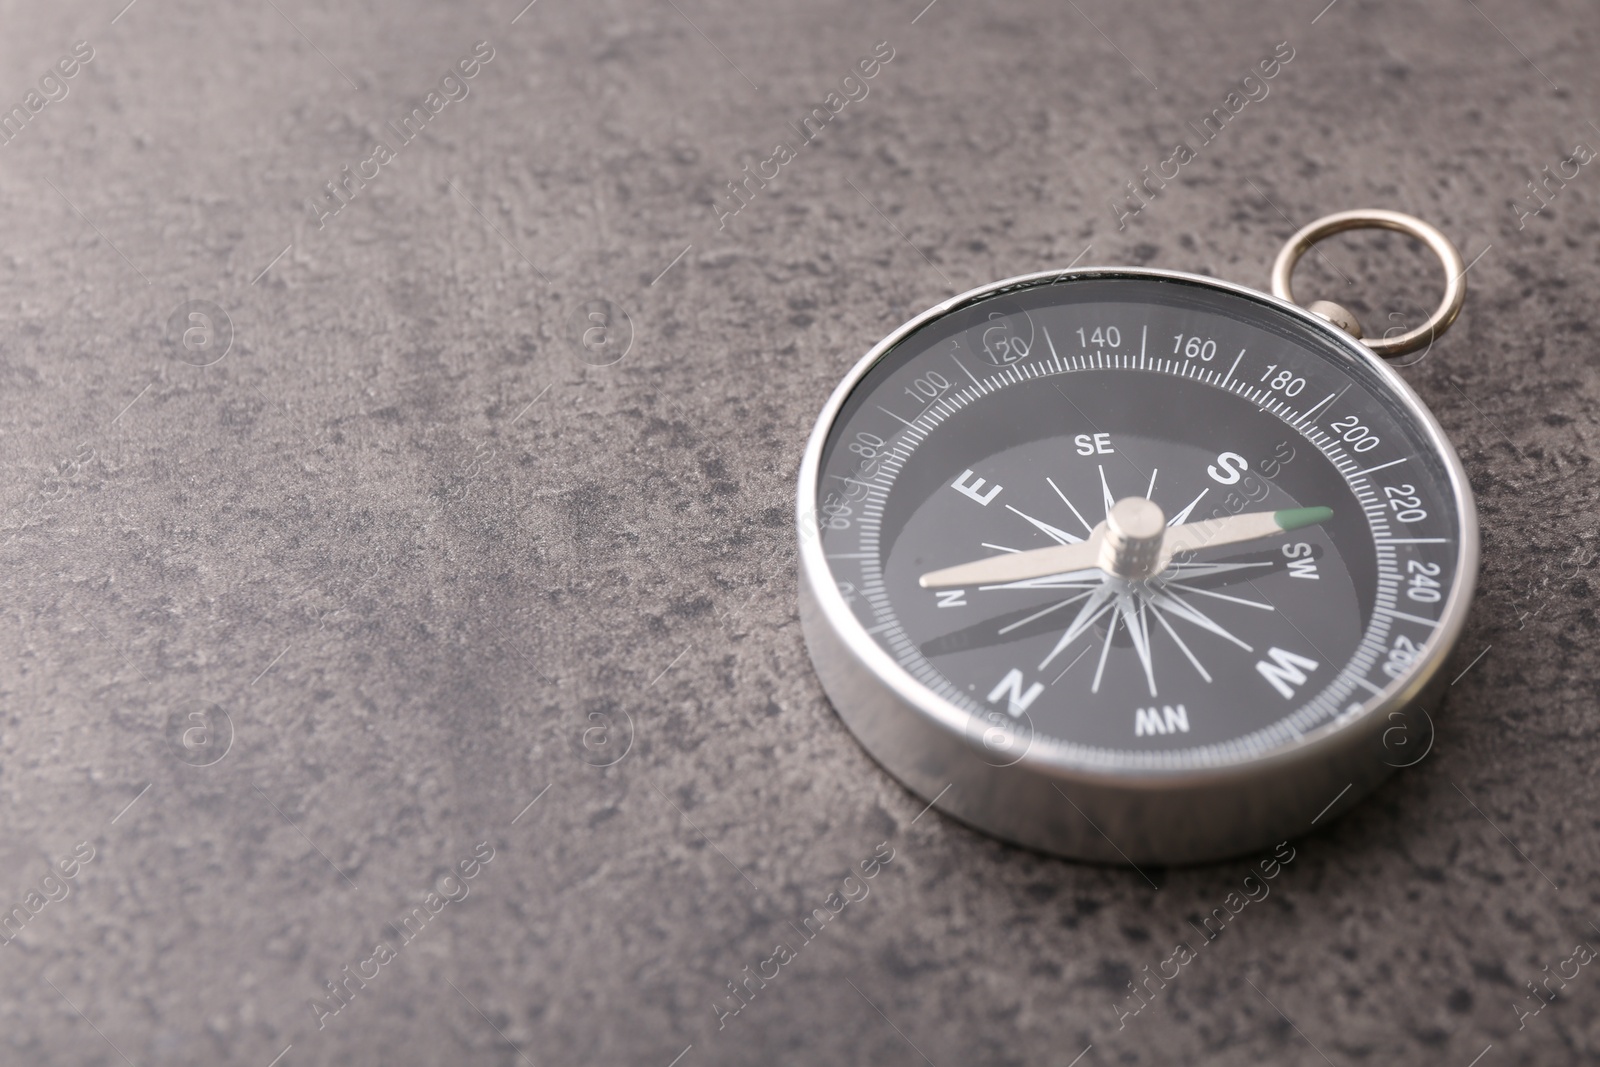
(1294, 518)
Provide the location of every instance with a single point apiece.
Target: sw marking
(1301, 561)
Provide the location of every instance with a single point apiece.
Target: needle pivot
(1131, 545)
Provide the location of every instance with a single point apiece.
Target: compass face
(1301, 550)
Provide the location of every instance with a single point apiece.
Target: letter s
(1228, 462)
(479, 852)
(878, 50)
(1278, 51)
(484, 51)
(84, 51)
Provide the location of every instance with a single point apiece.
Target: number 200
(1357, 436)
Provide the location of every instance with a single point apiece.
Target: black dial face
(1302, 543)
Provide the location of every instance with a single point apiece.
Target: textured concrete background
(399, 561)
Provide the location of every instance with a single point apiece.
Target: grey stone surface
(421, 603)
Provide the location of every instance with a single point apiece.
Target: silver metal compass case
(1031, 793)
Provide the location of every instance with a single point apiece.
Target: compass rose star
(1128, 572)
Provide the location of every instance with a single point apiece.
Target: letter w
(1286, 670)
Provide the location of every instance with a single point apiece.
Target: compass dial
(1144, 521)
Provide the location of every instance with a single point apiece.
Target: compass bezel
(928, 743)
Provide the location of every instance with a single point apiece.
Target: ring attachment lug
(1455, 289)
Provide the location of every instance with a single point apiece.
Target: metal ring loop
(1455, 290)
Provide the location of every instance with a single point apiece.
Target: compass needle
(1071, 553)
(1055, 581)
(1189, 677)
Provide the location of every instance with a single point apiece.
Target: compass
(1132, 565)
